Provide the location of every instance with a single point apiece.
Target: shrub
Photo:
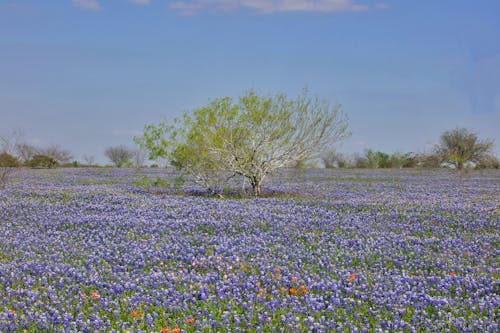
(8, 161)
(42, 161)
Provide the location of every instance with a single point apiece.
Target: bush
(8, 161)
(332, 159)
(8, 165)
(428, 161)
(488, 162)
(42, 161)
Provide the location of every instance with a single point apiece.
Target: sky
(90, 74)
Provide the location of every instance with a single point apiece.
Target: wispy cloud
(267, 6)
(87, 4)
(140, 2)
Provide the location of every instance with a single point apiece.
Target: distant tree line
(458, 149)
(219, 141)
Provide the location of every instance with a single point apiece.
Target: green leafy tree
(460, 146)
(250, 137)
(377, 159)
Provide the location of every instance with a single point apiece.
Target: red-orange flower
(292, 291)
(134, 313)
(351, 277)
(176, 330)
(293, 278)
(303, 289)
(13, 312)
(165, 330)
(452, 273)
(190, 321)
(94, 295)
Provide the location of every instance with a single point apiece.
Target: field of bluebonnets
(84, 250)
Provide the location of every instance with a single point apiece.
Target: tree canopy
(460, 145)
(250, 136)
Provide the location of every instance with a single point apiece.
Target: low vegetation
(352, 250)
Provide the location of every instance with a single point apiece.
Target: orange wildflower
(261, 292)
(452, 273)
(351, 277)
(94, 295)
(277, 270)
(176, 330)
(134, 313)
(190, 321)
(292, 291)
(282, 289)
(293, 278)
(13, 312)
(303, 289)
(83, 295)
(165, 330)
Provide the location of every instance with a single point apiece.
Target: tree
(88, 160)
(332, 159)
(8, 162)
(25, 151)
(138, 158)
(42, 161)
(460, 146)
(8, 166)
(250, 137)
(61, 156)
(118, 155)
(377, 159)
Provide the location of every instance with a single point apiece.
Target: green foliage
(460, 146)
(249, 137)
(41, 161)
(377, 159)
(8, 161)
(155, 184)
(8, 166)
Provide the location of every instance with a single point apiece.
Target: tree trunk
(256, 183)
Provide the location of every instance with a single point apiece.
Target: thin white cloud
(87, 4)
(140, 2)
(267, 6)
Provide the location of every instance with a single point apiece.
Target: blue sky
(89, 74)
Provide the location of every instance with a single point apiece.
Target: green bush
(8, 161)
(42, 161)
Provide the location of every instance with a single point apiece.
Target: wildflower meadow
(86, 250)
